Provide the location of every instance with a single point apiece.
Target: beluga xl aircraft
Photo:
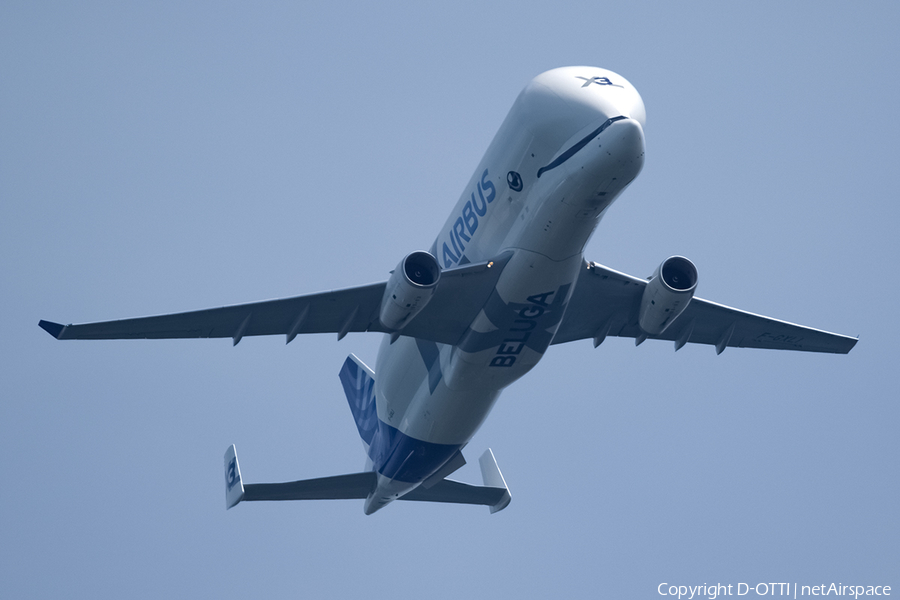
(504, 280)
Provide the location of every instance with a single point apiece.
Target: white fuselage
(571, 143)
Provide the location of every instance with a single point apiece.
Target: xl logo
(597, 80)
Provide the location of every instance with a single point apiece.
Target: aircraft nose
(629, 134)
(624, 140)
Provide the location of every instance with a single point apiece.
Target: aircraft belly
(516, 325)
(441, 394)
(402, 371)
(413, 396)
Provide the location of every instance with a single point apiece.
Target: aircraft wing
(460, 294)
(606, 302)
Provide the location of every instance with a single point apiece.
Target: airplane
(503, 281)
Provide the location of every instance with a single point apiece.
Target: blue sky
(185, 155)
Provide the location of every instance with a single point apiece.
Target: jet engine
(409, 289)
(667, 294)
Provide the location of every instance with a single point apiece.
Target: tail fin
(490, 474)
(359, 386)
(234, 487)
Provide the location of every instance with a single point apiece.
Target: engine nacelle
(667, 294)
(409, 289)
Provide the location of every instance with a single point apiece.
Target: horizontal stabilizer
(358, 486)
(456, 492)
(456, 462)
(494, 493)
(338, 487)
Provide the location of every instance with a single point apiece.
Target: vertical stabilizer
(490, 474)
(234, 487)
(359, 386)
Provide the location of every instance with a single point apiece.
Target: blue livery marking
(404, 458)
(359, 388)
(578, 146)
(519, 325)
(466, 223)
(597, 80)
(431, 357)
(232, 477)
(394, 454)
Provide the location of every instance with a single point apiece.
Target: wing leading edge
(459, 296)
(606, 302)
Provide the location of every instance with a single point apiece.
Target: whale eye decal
(514, 180)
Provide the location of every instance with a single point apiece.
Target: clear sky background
(185, 155)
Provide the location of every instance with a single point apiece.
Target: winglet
(492, 477)
(234, 487)
(54, 329)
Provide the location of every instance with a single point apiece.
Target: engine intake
(409, 289)
(667, 294)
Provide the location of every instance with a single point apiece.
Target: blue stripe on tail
(394, 454)
(359, 386)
